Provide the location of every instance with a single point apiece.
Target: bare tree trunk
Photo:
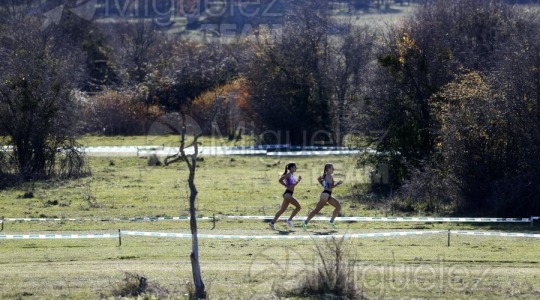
(195, 266)
(191, 161)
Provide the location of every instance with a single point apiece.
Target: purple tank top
(291, 180)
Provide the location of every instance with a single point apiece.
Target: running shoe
(333, 225)
(272, 226)
(305, 226)
(290, 223)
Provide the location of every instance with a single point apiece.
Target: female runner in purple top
(289, 181)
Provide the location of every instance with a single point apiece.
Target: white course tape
(487, 233)
(104, 219)
(398, 219)
(313, 153)
(278, 149)
(271, 237)
(284, 237)
(59, 236)
(351, 219)
(40, 219)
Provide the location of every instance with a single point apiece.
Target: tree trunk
(195, 266)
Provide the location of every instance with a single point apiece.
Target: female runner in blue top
(327, 181)
(289, 181)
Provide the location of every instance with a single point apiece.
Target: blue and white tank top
(325, 183)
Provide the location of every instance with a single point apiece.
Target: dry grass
(245, 269)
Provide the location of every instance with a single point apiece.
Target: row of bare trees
(77, 76)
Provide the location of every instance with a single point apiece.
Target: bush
(489, 146)
(134, 285)
(429, 190)
(118, 113)
(516, 196)
(233, 112)
(333, 276)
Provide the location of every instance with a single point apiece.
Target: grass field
(385, 267)
(160, 140)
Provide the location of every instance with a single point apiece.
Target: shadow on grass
(510, 227)
(320, 233)
(285, 232)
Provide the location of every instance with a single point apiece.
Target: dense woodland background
(449, 96)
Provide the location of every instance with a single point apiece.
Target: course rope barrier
(286, 237)
(343, 219)
(400, 219)
(267, 237)
(269, 150)
(60, 236)
(104, 219)
(488, 233)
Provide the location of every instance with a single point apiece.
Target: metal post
(2, 224)
(214, 221)
(119, 238)
(448, 237)
(532, 221)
